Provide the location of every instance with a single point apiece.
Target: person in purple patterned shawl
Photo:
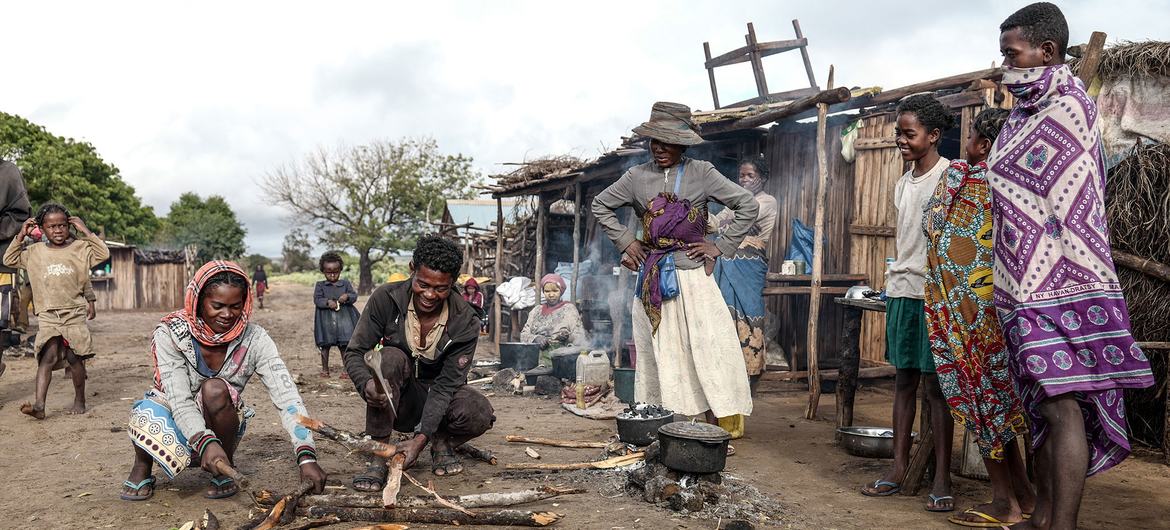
(1056, 289)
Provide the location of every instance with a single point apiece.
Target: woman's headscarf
(475, 299)
(190, 312)
(545, 308)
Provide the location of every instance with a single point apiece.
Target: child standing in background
(260, 283)
(336, 316)
(58, 270)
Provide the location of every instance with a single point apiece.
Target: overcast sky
(210, 96)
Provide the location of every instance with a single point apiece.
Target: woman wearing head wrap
(556, 322)
(204, 356)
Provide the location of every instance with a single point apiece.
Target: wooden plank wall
(876, 171)
(791, 155)
(118, 292)
(161, 285)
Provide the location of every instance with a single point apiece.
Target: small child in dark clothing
(336, 316)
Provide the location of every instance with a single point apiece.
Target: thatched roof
(1128, 59)
(540, 168)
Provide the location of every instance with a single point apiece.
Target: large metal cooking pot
(692, 447)
(519, 356)
(565, 366)
(869, 442)
(641, 428)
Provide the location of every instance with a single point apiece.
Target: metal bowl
(869, 442)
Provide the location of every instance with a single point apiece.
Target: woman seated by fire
(556, 323)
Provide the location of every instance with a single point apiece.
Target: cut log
(478, 500)
(290, 508)
(573, 444)
(532, 453)
(351, 441)
(617, 461)
(1145, 266)
(483, 455)
(433, 516)
(393, 481)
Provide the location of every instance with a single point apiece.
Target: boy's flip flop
(936, 500)
(219, 482)
(138, 496)
(987, 522)
(878, 492)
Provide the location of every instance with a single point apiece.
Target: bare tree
(373, 198)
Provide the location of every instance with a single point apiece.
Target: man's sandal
(147, 482)
(220, 482)
(374, 477)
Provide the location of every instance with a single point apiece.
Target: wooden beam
(740, 55)
(1091, 60)
(870, 230)
(875, 372)
(875, 143)
(499, 275)
(1145, 266)
(778, 97)
(829, 96)
(818, 258)
(825, 278)
(803, 290)
(964, 99)
(538, 266)
(757, 61)
(710, 73)
(576, 241)
(936, 84)
(812, 80)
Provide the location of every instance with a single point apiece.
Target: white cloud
(210, 96)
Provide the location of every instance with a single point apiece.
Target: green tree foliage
(295, 253)
(374, 198)
(71, 172)
(252, 260)
(210, 225)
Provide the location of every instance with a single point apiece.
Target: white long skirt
(694, 363)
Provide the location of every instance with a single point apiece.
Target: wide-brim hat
(670, 123)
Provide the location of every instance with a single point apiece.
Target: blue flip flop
(220, 482)
(148, 481)
(894, 488)
(935, 499)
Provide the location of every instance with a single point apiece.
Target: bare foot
(77, 408)
(34, 411)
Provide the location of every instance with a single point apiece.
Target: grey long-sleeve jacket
(701, 182)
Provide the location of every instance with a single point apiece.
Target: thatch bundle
(1139, 217)
(539, 169)
(1126, 59)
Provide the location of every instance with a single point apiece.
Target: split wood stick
(532, 453)
(477, 453)
(617, 461)
(438, 498)
(435, 516)
(324, 521)
(208, 522)
(224, 468)
(573, 444)
(477, 500)
(290, 508)
(273, 518)
(393, 481)
(349, 440)
(480, 381)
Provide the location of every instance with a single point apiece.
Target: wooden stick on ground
(617, 461)
(477, 453)
(438, 498)
(393, 481)
(427, 516)
(556, 443)
(477, 500)
(318, 523)
(290, 508)
(346, 438)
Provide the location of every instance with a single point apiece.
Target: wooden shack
(140, 279)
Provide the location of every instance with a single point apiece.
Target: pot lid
(691, 430)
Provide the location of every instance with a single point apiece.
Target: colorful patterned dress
(965, 336)
(1064, 316)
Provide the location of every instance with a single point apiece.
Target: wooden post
(812, 80)
(711, 74)
(850, 365)
(757, 61)
(618, 317)
(576, 242)
(920, 458)
(818, 258)
(499, 277)
(539, 265)
(1091, 59)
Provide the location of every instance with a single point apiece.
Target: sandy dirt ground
(65, 471)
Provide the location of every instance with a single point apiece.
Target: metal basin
(869, 442)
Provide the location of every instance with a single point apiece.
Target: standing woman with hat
(681, 340)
